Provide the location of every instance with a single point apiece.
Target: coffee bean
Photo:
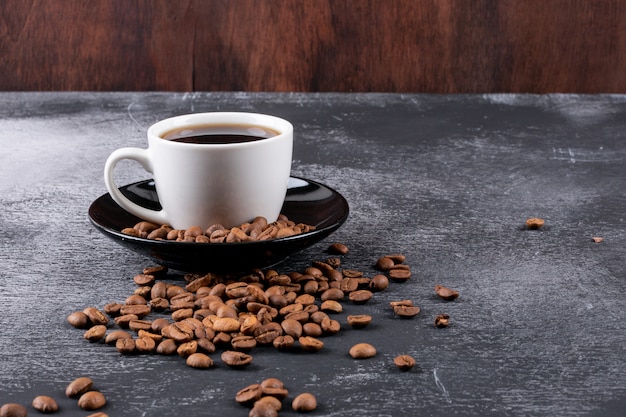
(249, 395)
(144, 279)
(304, 403)
(96, 316)
(13, 410)
(404, 362)
(362, 351)
(285, 342)
(338, 249)
(269, 401)
(145, 345)
(115, 335)
(445, 293)
(236, 359)
(45, 404)
(442, 320)
(125, 346)
(98, 414)
(331, 306)
(406, 311)
(78, 386)
(95, 333)
(384, 263)
(310, 344)
(199, 360)
(360, 296)
(534, 223)
(243, 343)
(359, 320)
(78, 319)
(166, 347)
(263, 410)
(92, 400)
(330, 326)
(399, 274)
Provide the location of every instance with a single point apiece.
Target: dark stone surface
(539, 327)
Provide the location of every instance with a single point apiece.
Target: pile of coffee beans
(257, 230)
(265, 399)
(234, 314)
(81, 388)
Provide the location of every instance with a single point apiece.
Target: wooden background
(438, 46)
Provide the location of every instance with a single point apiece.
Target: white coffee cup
(201, 184)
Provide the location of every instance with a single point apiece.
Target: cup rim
(282, 126)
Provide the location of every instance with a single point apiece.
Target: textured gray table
(539, 328)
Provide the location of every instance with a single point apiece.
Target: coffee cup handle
(141, 156)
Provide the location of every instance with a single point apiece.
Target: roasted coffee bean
(98, 414)
(272, 402)
(45, 404)
(399, 274)
(384, 263)
(312, 329)
(362, 351)
(138, 324)
(145, 345)
(112, 309)
(140, 310)
(406, 311)
(359, 320)
(360, 296)
(124, 321)
(249, 395)
(236, 359)
(78, 319)
(310, 344)
(96, 316)
(446, 293)
(404, 362)
(274, 387)
(125, 346)
(115, 335)
(442, 320)
(304, 403)
(92, 400)
(166, 347)
(329, 326)
(331, 306)
(351, 273)
(243, 343)
(285, 342)
(157, 270)
(338, 249)
(199, 361)
(144, 279)
(95, 333)
(534, 223)
(78, 386)
(13, 410)
(379, 283)
(263, 410)
(134, 300)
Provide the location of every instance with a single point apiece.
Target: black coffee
(219, 134)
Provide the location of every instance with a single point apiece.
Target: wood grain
(437, 46)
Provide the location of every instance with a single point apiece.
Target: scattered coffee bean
(359, 320)
(92, 400)
(13, 410)
(98, 414)
(45, 404)
(442, 320)
(597, 239)
(236, 359)
(263, 409)
(78, 319)
(79, 386)
(362, 351)
(338, 249)
(534, 223)
(404, 362)
(310, 344)
(446, 293)
(379, 283)
(199, 360)
(304, 403)
(269, 401)
(405, 308)
(249, 395)
(95, 333)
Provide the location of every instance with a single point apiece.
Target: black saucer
(306, 202)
